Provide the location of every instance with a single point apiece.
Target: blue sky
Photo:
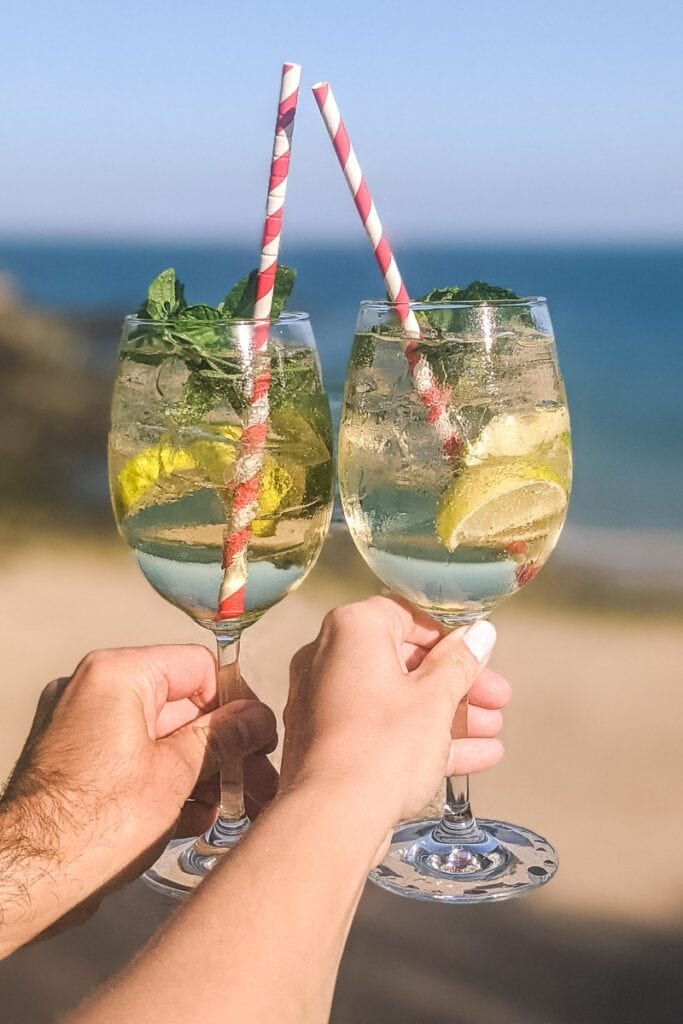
(496, 120)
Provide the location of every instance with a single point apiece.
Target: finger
(413, 655)
(240, 728)
(458, 659)
(174, 715)
(169, 672)
(388, 618)
(177, 713)
(483, 723)
(183, 671)
(410, 625)
(490, 690)
(195, 819)
(223, 736)
(207, 791)
(260, 783)
(473, 755)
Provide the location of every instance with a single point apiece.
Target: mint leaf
(284, 282)
(238, 304)
(202, 393)
(451, 294)
(445, 321)
(165, 297)
(197, 324)
(476, 291)
(198, 313)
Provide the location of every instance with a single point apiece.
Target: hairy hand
(119, 756)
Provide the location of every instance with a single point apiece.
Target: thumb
(224, 736)
(459, 658)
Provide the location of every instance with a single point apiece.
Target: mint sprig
(194, 335)
(438, 323)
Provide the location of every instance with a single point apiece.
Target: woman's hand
(372, 703)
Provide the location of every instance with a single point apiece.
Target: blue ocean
(616, 312)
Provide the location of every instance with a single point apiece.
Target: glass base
(185, 862)
(504, 861)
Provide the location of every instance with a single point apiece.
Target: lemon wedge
(500, 501)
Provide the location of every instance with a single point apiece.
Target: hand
(114, 754)
(372, 703)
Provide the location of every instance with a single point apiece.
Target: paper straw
(435, 397)
(249, 463)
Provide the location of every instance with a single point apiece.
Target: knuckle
(50, 692)
(270, 721)
(343, 617)
(460, 661)
(300, 660)
(91, 663)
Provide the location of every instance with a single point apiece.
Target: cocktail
(455, 520)
(177, 455)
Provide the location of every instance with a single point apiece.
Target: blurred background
(530, 145)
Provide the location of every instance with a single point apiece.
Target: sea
(618, 318)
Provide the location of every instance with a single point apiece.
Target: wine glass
(179, 409)
(457, 531)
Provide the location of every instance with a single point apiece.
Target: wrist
(345, 801)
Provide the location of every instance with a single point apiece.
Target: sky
(493, 120)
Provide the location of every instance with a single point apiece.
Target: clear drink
(171, 471)
(455, 536)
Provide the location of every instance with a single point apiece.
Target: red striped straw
(249, 463)
(435, 397)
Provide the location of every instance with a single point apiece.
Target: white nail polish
(480, 638)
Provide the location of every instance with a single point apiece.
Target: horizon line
(345, 241)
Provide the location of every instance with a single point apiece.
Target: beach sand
(593, 762)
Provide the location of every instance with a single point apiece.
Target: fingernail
(480, 638)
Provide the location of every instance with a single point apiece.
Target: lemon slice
(517, 434)
(166, 461)
(277, 484)
(206, 461)
(500, 501)
(140, 474)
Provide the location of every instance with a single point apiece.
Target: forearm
(50, 865)
(31, 897)
(262, 937)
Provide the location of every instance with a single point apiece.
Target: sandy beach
(593, 761)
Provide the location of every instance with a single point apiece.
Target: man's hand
(113, 756)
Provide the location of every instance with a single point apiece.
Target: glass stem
(232, 821)
(458, 824)
(229, 689)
